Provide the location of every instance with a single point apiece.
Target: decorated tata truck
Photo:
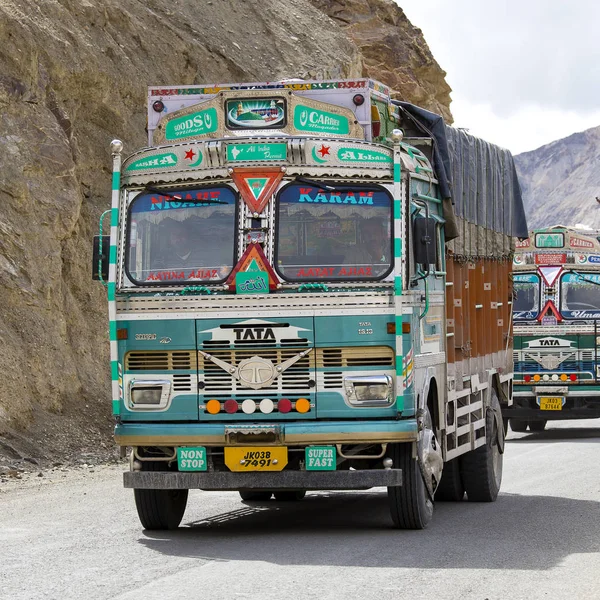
(308, 289)
(556, 331)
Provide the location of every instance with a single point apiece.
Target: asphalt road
(75, 535)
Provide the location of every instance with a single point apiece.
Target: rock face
(561, 181)
(393, 51)
(74, 75)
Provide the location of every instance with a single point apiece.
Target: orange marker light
(302, 405)
(536, 378)
(213, 407)
(564, 377)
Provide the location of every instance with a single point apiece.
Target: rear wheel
(290, 496)
(481, 469)
(451, 488)
(537, 425)
(518, 425)
(159, 509)
(252, 496)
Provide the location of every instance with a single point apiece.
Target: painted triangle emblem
(256, 185)
(550, 274)
(549, 308)
(253, 261)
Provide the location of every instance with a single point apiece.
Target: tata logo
(549, 342)
(253, 333)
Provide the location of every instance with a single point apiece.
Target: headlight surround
(369, 390)
(149, 394)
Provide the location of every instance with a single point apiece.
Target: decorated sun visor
(237, 113)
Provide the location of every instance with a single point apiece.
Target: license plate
(551, 402)
(191, 459)
(256, 458)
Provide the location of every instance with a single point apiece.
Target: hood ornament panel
(256, 372)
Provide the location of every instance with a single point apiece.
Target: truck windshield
(340, 233)
(526, 296)
(181, 236)
(580, 296)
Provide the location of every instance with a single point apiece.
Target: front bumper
(580, 403)
(280, 480)
(287, 433)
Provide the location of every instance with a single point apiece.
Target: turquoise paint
(256, 329)
(184, 407)
(346, 330)
(331, 405)
(408, 426)
(164, 335)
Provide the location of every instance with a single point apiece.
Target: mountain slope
(561, 181)
(73, 76)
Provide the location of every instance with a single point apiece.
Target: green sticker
(359, 155)
(549, 240)
(192, 459)
(245, 152)
(320, 458)
(199, 123)
(311, 119)
(250, 282)
(157, 161)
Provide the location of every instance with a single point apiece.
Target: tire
(481, 469)
(292, 496)
(451, 488)
(252, 496)
(159, 509)
(537, 425)
(518, 426)
(410, 505)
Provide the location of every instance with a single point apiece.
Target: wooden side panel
(450, 328)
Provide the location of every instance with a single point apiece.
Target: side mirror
(425, 241)
(100, 261)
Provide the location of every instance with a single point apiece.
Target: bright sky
(523, 72)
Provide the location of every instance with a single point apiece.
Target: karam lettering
(332, 198)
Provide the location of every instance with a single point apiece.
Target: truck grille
(295, 379)
(161, 361)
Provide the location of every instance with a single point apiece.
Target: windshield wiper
(154, 190)
(586, 280)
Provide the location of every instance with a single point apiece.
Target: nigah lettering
(183, 200)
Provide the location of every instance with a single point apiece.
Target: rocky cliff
(561, 181)
(73, 76)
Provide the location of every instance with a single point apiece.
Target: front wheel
(410, 505)
(537, 425)
(251, 496)
(288, 496)
(481, 469)
(518, 425)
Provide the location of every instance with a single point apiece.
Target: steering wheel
(582, 305)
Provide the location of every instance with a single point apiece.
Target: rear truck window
(526, 302)
(333, 232)
(181, 236)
